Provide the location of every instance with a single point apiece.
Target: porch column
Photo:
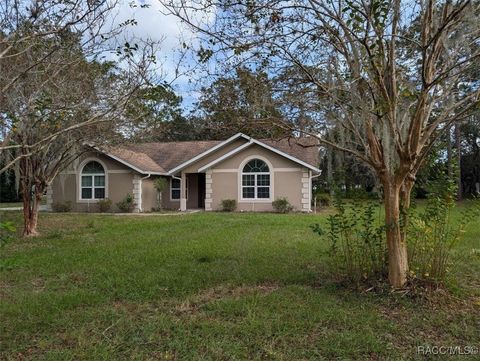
(208, 190)
(306, 190)
(137, 193)
(183, 192)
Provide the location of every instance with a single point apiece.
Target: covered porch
(192, 191)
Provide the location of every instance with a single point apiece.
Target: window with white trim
(175, 188)
(92, 181)
(256, 180)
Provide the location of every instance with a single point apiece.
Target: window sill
(253, 200)
(90, 200)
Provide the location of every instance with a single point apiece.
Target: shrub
(229, 205)
(433, 234)
(282, 205)
(62, 206)
(323, 199)
(357, 244)
(356, 235)
(127, 204)
(104, 205)
(160, 184)
(7, 230)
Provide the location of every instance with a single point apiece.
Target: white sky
(154, 25)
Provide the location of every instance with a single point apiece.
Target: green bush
(323, 199)
(104, 205)
(62, 206)
(358, 248)
(356, 234)
(127, 204)
(433, 234)
(282, 205)
(229, 205)
(7, 231)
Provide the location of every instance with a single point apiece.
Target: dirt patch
(193, 304)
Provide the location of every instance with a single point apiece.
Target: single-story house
(200, 174)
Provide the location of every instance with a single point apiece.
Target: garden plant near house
(160, 184)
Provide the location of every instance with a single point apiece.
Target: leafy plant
(433, 233)
(160, 184)
(229, 205)
(323, 199)
(127, 204)
(282, 205)
(62, 207)
(7, 231)
(357, 242)
(104, 205)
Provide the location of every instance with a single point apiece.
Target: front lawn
(211, 287)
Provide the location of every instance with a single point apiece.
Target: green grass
(11, 204)
(210, 287)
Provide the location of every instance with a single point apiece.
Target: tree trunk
(30, 211)
(330, 170)
(449, 153)
(397, 246)
(405, 200)
(458, 140)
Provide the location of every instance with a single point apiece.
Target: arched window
(93, 181)
(256, 180)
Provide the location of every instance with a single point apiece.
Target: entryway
(196, 190)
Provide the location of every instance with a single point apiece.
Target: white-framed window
(175, 189)
(92, 181)
(256, 180)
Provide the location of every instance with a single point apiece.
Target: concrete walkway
(41, 208)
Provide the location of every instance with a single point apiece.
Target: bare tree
(391, 71)
(62, 92)
(55, 26)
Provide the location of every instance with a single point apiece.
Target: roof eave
(120, 160)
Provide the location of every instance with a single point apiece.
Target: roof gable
(292, 151)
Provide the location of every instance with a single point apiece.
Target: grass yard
(11, 204)
(211, 287)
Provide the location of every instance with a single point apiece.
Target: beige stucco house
(200, 174)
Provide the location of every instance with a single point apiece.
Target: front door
(201, 190)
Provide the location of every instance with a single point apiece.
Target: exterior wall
(288, 179)
(66, 186)
(149, 194)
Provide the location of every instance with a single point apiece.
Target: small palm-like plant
(160, 185)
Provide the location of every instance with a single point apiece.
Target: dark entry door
(201, 190)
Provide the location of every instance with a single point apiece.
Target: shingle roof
(162, 157)
(305, 148)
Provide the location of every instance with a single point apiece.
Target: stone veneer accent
(208, 190)
(306, 191)
(137, 193)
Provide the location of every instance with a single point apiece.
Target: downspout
(311, 192)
